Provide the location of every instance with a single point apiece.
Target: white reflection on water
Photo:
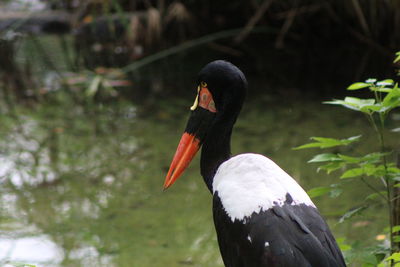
(37, 250)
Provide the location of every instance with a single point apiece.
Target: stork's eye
(204, 99)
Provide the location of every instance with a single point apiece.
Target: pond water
(82, 185)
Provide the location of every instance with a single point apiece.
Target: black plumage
(288, 235)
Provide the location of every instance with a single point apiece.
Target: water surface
(82, 185)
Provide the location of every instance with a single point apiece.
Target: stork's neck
(216, 149)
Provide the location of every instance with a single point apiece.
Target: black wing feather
(288, 235)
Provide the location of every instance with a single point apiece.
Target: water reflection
(82, 186)
(38, 249)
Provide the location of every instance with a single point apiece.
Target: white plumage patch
(250, 183)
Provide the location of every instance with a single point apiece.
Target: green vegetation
(378, 170)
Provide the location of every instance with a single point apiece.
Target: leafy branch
(375, 165)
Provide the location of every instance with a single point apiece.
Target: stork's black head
(226, 82)
(221, 89)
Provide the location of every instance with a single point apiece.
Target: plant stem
(396, 206)
(374, 189)
(387, 180)
(372, 121)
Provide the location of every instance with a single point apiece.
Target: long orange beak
(201, 117)
(187, 149)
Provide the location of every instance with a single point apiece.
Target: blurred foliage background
(297, 44)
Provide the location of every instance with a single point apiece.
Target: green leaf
(352, 139)
(374, 170)
(352, 213)
(393, 173)
(357, 86)
(324, 157)
(323, 142)
(385, 82)
(378, 107)
(374, 196)
(392, 99)
(397, 57)
(354, 103)
(369, 169)
(332, 166)
(395, 257)
(318, 191)
(368, 158)
(342, 245)
(373, 157)
(342, 103)
(349, 159)
(359, 101)
(352, 173)
(395, 228)
(94, 86)
(392, 169)
(380, 89)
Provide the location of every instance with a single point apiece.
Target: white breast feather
(250, 183)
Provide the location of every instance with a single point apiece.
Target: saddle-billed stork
(262, 216)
